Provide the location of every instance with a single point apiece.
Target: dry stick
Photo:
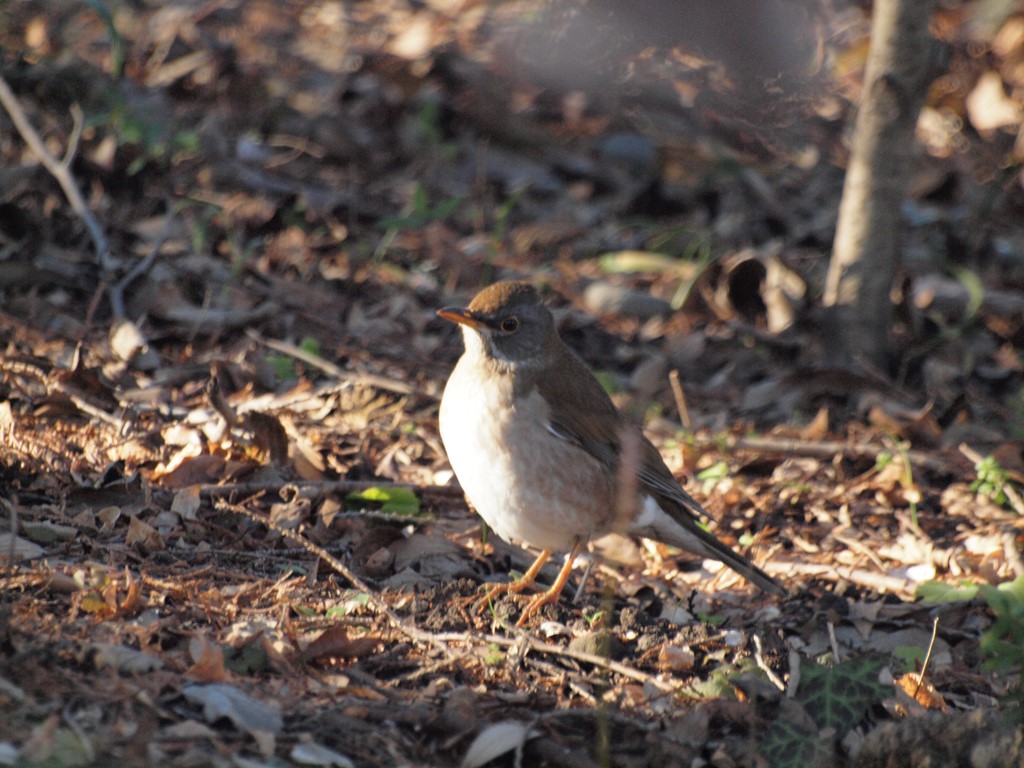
(89, 753)
(59, 170)
(441, 640)
(77, 125)
(572, 679)
(12, 513)
(877, 581)
(833, 640)
(7, 574)
(763, 665)
(142, 266)
(823, 449)
(330, 486)
(326, 366)
(861, 547)
(927, 657)
(680, 398)
(554, 650)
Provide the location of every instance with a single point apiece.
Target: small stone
(597, 644)
(607, 299)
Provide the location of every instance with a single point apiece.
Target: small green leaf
(717, 471)
(310, 345)
(420, 201)
(352, 601)
(495, 656)
(991, 480)
(1015, 588)
(284, 366)
(975, 292)
(937, 592)
(618, 262)
(250, 659)
(719, 684)
(445, 209)
(911, 656)
(394, 500)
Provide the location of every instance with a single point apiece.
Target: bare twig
(861, 547)
(9, 568)
(826, 449)
(78, 123)
(547, 648)
(331, 486)
(836, 656)
(877, 581)
(88, 750)
(142, 266)
(12, 512)
(97, 413)
(763, 665)
(60, 171)
(680, 397)
(927, 657)
(355, 377)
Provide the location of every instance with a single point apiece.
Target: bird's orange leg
(551, 596)
(523, 582)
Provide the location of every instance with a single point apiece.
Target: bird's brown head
(511, 322)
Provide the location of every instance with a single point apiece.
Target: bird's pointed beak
(462, 316)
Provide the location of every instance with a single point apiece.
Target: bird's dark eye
(510, 324)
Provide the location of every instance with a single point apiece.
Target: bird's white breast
(529, 485)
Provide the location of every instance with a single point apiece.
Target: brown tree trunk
(901, 64)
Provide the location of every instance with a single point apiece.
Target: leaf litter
(280, 376)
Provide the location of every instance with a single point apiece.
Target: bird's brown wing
(581, 411)
(590, 420)
(595, 425)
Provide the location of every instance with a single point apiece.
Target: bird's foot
(537, 602)
(525, 581)
(511, 588)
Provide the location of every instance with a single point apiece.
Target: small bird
(536, 444)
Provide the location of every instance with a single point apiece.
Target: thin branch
(329, 368)
(763, 665)
(825, 449)
(59, 170)
(78, 123)
(865, 578)
(330, 486)
(834, 642)
(142, 266)
(680, 396)
(927, 657)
